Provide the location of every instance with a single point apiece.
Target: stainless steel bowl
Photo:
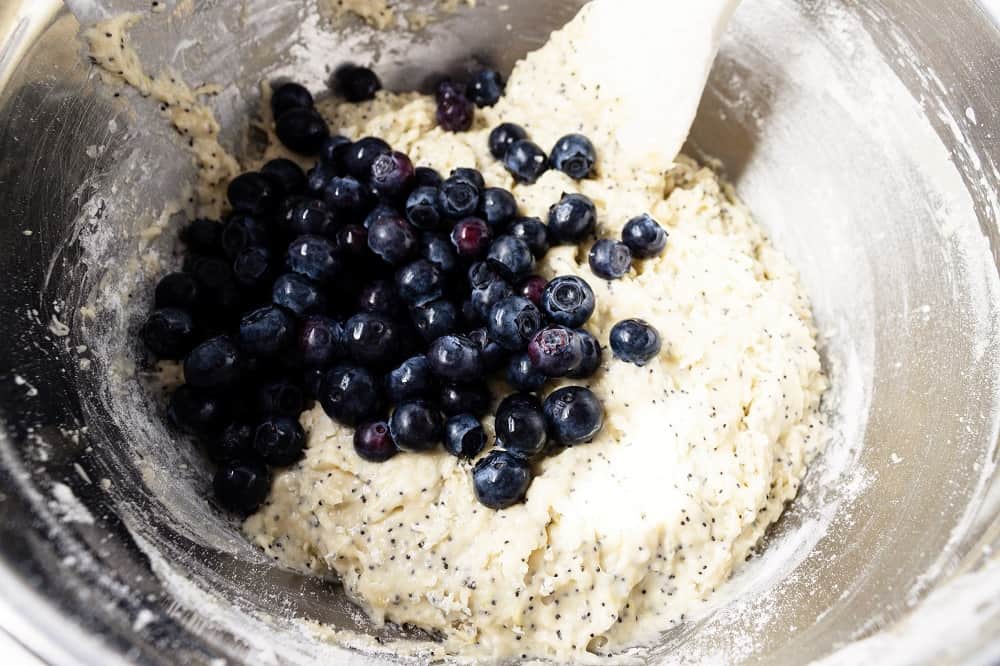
(866, 138)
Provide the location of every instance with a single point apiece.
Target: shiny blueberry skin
(393, 239)
(574, 415)
(483, 299)
(280, 398)
(419, 282)
(471, 238)
(359, 157)
(241, 232)
(494, 355)
(356, 84)
(469, 175)
(422, 208)
(346, 196)
(645, 237)
(303, 216)
(435, 319)
(372, 339)
(427, 177)
(290, 96)
(380, 297)
(503, 137)
(533, 232)
(287, 176)
(252, 267)
(314, 257)
(485, 88)
(280, 441)
(352, 241)
(481, 274)
(455, 113)
(572, 220)
(302, 130)
(556, 351)
(635, 341)
(593, 356)
(464, 436)
(318, 177)
(511, 257)
(297, 294)
(241, 486)
(501, 480)
(266, 331)
(520, 425)
(320, 341)
(575, 156)
(456, 358)
(610, 259)
(526, 161)
(513, 322)
(203, 236)
(177, 290)
(333, 152)
(437, 249)
(392, 175)
(252, 193)
(497, 206)
(416, 426)
(458, 198)
(214, 363)
(473, 399)
(522, 375)
(350, 394)
(568, 301)
(532, 288)
(235, 442)
(412, 380)
(448, 89)
(169, 333)
(381, 211)
(197, 412)
(373, 442)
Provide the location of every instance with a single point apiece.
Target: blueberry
(574, 415)
(349, 394)
(241, 486)
(177, 290)
(252, 267)
(392, 175)
(318, 178)
(314, 257)
(217, 285)
(235, 442)
(298, 294)
(266, 331)
(458, 198)
(346, 196)
(203, 236)
(351, 241)
(252, 193)
(437, 249)
(635, 341)
(421, 208)
(392, 239)
(511, 257)
(280, 398)
(503, 137)
(501, 480)
(572, 220)
(356, 84)
(302, 130)
(427, 177)
(575, 156)
(381, 211)
(456, 357)
(533, 232)
(214, 363)
(280, 441)
(481, 274)
(415, 426)
(610, 259)
(464, 436)
(435, 319)
(380, 297)
(169, 333)
(494, 355)
(532, 288)
(285, 175)
(372, 339)
(471, 238)
(334, 151)
(568, 301)
(412, 380)
(644, 236)
(513, 322)
(359, 157)
(290, 96)
(473, 399)
(448, 89)
(419, 282)
(592, 356)
(304, 216)
(455, 114)
(522, 375)
(520, 425)
(197, 412)
(483, 299)
(241, 232)
(469, 175)
(373, 442)
(497, 206)
(525, 161)
(485, 88)
(556, 351)
(320, 341)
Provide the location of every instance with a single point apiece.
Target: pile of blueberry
(390, 295)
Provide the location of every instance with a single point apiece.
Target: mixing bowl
(864, 136)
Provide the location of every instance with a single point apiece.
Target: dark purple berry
(464, 436)
(593, 355)
(373, 442)
(415, 426)
(532, 288)
(253, 194)
(520, 425)
(556, 351)
(214, 364)
(356, 84)
(320, 341)
(302, 130)
(485, 88)
(392, 239)
(574, 415)
(290, 96)
(572, 220)
(359, 157)
(169, 333)
(471, 238)
(280, 441)
(392, 175)
(513, 322)
(241, 486)
(568, 301)
(350, 394)
(503, 137)
(473, 399)
(285, 175)
(501, 480)
(455, 114)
